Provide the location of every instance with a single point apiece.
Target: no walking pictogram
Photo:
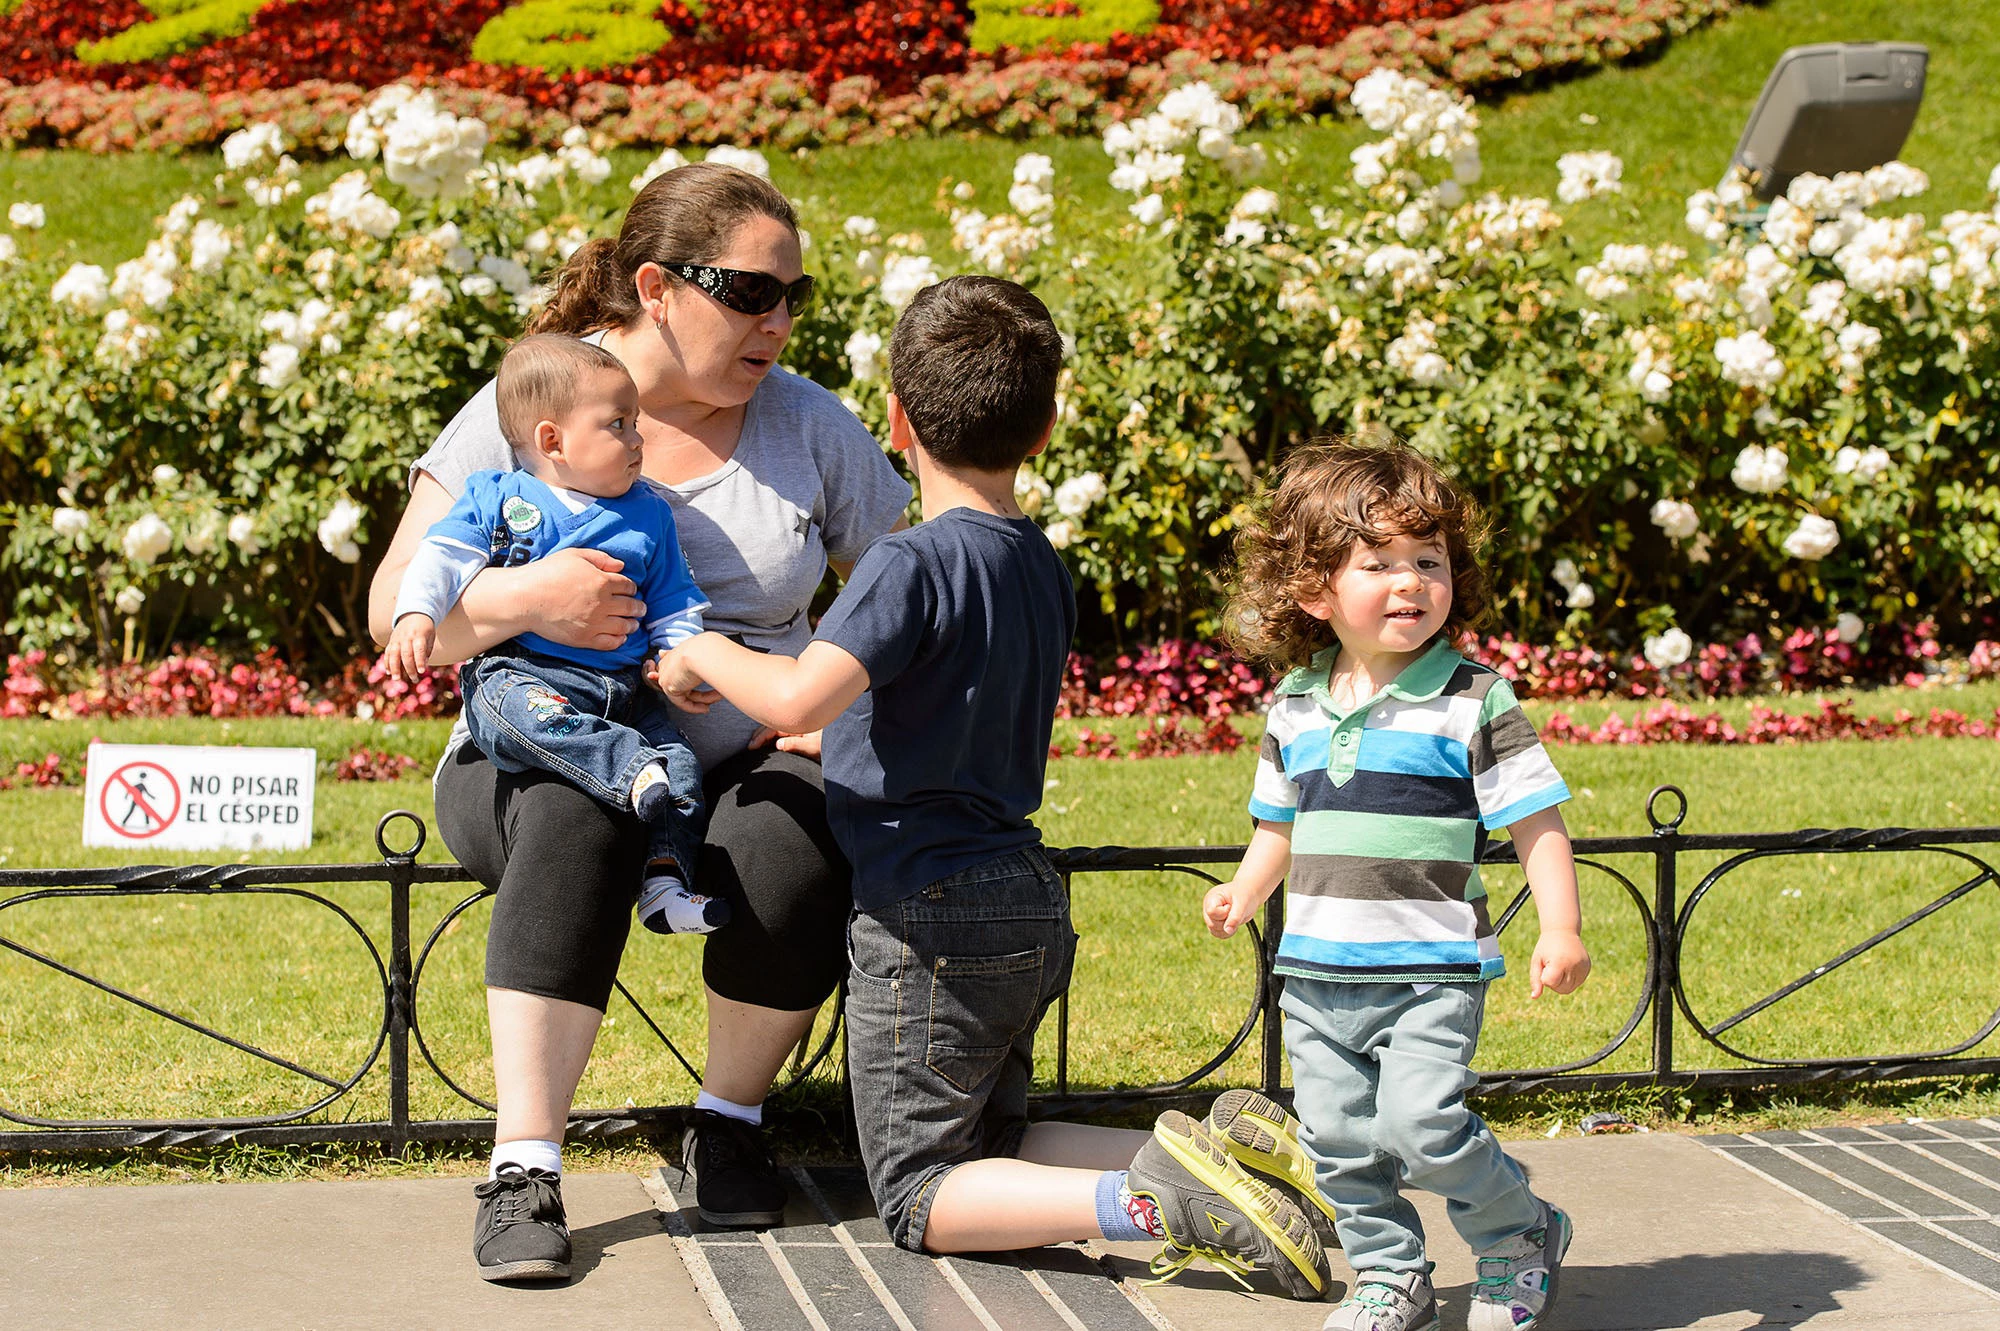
(140, 800)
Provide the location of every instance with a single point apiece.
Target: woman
(771, 480)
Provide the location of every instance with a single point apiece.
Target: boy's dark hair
(1328, 497)
(974, 361)
(538, 381)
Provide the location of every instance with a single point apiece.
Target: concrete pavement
(1672, 1232)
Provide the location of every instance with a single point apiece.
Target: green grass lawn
(288, 975)
(1674, 120)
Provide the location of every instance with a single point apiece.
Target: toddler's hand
(1226, 908)
(683, 687)
(1560, 963)
(408, 653)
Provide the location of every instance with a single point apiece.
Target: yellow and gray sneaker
(1214, 1210)
(1387, 1301)
(1517, 1278)
(1263, 1138)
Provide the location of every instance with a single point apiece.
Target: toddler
(1387, 760)
(570, 411)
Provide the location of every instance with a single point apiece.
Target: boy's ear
(901, 433)
(548, 442)
(1047, 431)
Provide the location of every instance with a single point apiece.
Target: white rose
(337, 529)
(743, 159)
(864, 350)
(1676, 518)
(83, 287)
(147, 539)
(1669, 649)
(1760, 470)
(903, 276)
(165, 475)
(278, 365)
(1074, 496)
(1814, 538)
(28, 216)
(1148, 209)
(514, 277)
(1060, 533)
(9, 251)
(1565, 574)
(1031, 492)
(667, 161)
(1581, 597)
(1871, 464)
(1848, 626)
(70, 523)
(130, 601)
(861, 228)
(478, 285)
(243, 534)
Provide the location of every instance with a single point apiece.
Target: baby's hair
(1330, 496)
(538, 382)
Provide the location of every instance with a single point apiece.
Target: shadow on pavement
(1779, 1288)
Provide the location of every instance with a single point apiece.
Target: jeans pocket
(979, 1007)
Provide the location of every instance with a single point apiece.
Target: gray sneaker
(1517, 1278)
(1386, 1301)
(1262, 1137)
(1214, 1210)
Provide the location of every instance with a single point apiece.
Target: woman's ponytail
(588, 293)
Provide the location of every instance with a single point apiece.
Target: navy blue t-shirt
(963, 624)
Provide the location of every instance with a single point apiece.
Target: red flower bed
(182, 104)
(1673, 723)
(896, 43)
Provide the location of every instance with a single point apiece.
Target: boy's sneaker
(1386, 1301)
(667, 907)
(521, 1232)
(736, 1185)
(1517, 1278)
(1212, 1209)
(1261, 1136)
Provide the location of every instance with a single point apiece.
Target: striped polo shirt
(1390, 805)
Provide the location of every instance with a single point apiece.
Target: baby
(570, 411)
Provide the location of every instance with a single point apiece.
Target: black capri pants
(567, 872)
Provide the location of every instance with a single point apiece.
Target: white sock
(730, 1109)
(528, 1154)
(652, 774)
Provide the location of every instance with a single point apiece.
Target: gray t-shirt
(807, 483)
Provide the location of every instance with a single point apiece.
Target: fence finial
(382, 837)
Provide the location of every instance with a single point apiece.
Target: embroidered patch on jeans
(552, 709)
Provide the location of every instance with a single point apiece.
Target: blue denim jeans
(1380, 1072)
(597, 730)
(944, 991)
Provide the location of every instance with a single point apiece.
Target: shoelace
(1381, 1294)
(519, 1199)
(726, 1143)
(1171, 1260)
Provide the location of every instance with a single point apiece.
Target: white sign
(198, 797)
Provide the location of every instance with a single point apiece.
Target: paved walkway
(1883, 1229)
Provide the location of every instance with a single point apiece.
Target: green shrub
(543, 34)
(182, 25)
(998, 23)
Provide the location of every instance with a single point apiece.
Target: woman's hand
(579, 598)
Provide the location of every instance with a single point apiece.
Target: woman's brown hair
(688, 215)
(1328, 498)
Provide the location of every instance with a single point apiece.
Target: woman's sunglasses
(747, 292)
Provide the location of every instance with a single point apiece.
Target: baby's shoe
(667, 907)
(1517, 1278)
(1386, 1301)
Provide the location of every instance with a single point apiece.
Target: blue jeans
(1380, 1072)
(944, 991)
(597, 730)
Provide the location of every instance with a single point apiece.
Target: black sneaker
(736, 1185)
(521, 1232)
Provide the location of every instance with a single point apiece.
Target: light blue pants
(1381, 1073)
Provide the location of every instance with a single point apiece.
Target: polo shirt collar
(1420, 681)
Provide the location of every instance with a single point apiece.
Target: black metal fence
(1664, 916)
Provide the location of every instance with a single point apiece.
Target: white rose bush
(214, 438)
(1677, 438)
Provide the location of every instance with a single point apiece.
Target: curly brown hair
(1328, 497)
